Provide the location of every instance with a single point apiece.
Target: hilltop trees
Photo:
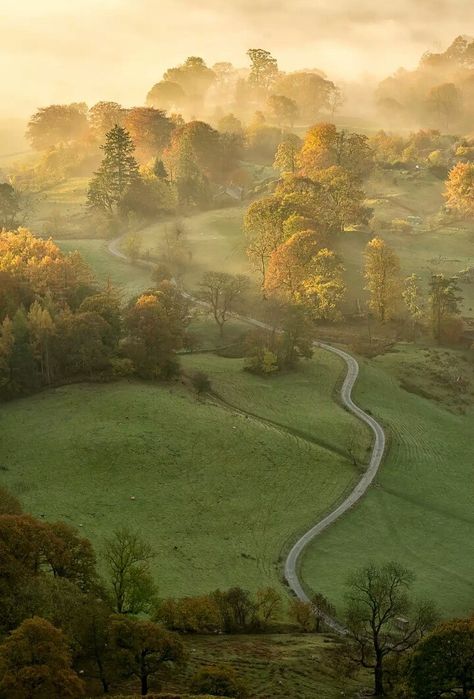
(382, 268)
(263, 69)
(117, 172)
(381, 617)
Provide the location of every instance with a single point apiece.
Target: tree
(150, 130)
(444, 300)
(311, 92)
(459, 193)
(132, 245)
(381, 618)
(70, 556)
(42, 329)
(283, 109)
(9, 504)
(413, 298)
(263, 228)
(166, 95)
(36, 664)
(143, 649)
(56, 124)
(442, 663)
(324, 146)
(342, 199)
(10, 206)
(128, 564)
(194, 78)
(445, 101)
(263, 69)
(291, 262)
(217, 681)
(103, 116)
(381, 272)
(222, 292)
(286, 154)
(117, 172)
(156, 323)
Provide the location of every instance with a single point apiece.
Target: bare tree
(381, 617)
(222, 292)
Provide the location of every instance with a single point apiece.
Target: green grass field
(214, 239)
(217, 494)
(420, 511)
(129, 279)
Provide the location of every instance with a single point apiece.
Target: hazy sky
(72, 50)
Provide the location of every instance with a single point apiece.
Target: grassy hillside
(217, 494)
(420, 511)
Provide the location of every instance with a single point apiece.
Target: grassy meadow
(420, 511)
(216, 493)
(221, 495)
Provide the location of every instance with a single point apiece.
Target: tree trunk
(144, 683)
(378, 679)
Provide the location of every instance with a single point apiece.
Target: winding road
(378, 448)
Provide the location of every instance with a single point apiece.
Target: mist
(116, 49)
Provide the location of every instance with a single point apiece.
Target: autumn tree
(263, 228)
(382, 268)
(42, 329)
(263, 69)
(35, 663)
(103, 116)
(324, 146)
(445, 101)
(149, 129)
(283, 109)
(223, 293)
(444, 299)
(459, 193)
(414, 300)
(167, 95)
(310, 91)
(58, 123)
(286, 154)
(128, 558)
(342, 199)
(143, 649)
(195, 78)
(382, 619)
(155, 324)
(290, 263)
(10, 206)
(442, 663)
(117, 172)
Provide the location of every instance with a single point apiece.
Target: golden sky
(86, 50)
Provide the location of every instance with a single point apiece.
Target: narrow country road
(378, 448)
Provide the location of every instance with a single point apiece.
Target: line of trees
(57, 325)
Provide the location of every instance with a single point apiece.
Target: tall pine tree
(117, 172)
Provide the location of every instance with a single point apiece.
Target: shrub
(218, 681)
(201, 382)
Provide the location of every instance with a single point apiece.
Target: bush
(218, 681)
(201, 382)
(190, 614)
(401, 225)
(122, 367)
